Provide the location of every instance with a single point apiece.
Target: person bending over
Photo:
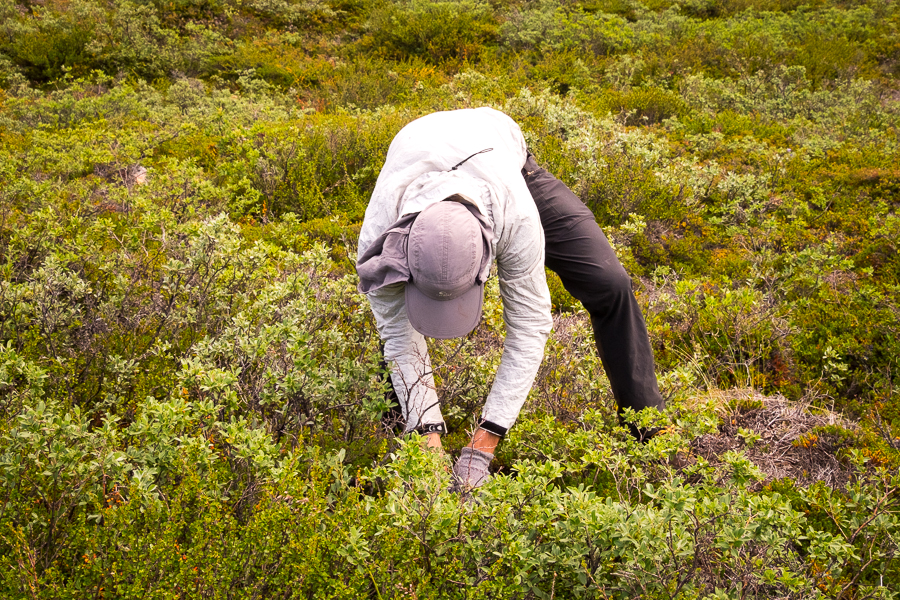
(458, 191)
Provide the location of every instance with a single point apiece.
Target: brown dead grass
(790, 446)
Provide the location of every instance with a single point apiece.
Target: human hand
(471, 469)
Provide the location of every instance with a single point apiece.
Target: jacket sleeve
(526, 313)
(405, 348)
(407, 353)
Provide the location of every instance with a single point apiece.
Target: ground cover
(190, 387)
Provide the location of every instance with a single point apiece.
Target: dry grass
(790, 445)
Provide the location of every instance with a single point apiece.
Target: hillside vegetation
(191, 389)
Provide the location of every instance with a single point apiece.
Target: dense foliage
(191, 389)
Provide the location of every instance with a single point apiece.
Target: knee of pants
(610, 290)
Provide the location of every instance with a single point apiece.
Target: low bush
(622, 523)
(645, 105)
(549, 25)
(52, 40)
(437, 31)
(191, 391)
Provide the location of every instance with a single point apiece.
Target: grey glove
(471, 470)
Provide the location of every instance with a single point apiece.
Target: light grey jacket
(415, 175)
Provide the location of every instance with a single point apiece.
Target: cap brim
(444, 319)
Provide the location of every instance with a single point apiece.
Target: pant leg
(578, 251)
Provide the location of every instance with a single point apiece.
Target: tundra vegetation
(191, 389)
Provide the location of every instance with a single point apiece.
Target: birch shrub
(592, 514)
(239, 326)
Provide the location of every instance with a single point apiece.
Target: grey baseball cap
(449, 259)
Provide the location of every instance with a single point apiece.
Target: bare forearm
(484, 441)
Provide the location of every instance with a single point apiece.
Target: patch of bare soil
(788, 445)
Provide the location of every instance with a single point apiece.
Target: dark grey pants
(578, 251)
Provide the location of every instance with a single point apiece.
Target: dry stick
(851, 539)
(875, 514)
(530, 447)
(675, 561)
(885, 433)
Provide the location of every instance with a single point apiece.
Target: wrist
(484, 441)
(433, 440)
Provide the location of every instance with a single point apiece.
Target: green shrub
(190, 387)
(645, 105)
(561, 299)
(313, 171)
(549, 25)
(305, 532)
(437, 31)
(52, 40)
(321, 83)
(305, 14)
(565, 71)
(121, 38)
(736, 337)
